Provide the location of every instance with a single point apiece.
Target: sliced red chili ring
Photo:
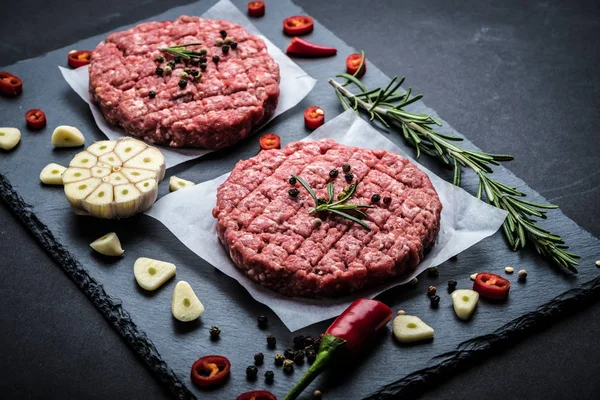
(257, 395)
(314, 117)
(256, 8)
(353, 63)
(491, 286)
(270, 141)
(10, 85)
(79, 58)
(36, 119)
(210, 371)
(298, 25)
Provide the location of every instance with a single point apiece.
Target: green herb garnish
(179, 50)
(520, 227)
(337, 207)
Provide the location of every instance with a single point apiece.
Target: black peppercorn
(308, 341)
(215, 332)
(203, 67)
(269, 376)
(299, 357)
(171, 64)
(194, 72)
(293, 192)
(203, 51)
(431, 291)
(152, 94)
(451, 285)
(271, 341)
(262, 321)
(292, 180)
(177, 59)
(349, 177)
(288, 354)
(216, 59)
(225, 49)
(317, 343)
(279, 359)
(333, 173)
(311, 356)
(182, 83)
(435, 301)
(187, 70)
(433, 272)
(160, 59)
(387, 200)
(375, 198)
(233, 45)
(194, 61)
(259, 358)
(251, 372)
(202, 59)
(159, 71)
(346, 167)
(223, 33)
(299, 342)
(288, 366)
(321, 201)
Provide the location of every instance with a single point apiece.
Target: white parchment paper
(465, 221)
(295, 84)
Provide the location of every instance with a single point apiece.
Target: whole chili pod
(352, 331)
(303, 47)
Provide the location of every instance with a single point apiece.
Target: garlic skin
(114, 179)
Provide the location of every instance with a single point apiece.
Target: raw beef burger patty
(216, 110)
(270, 235)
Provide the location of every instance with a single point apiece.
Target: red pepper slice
(257, 395)
(36, 119)
(298, 25)
(10, 85)
(79, 58)
(256, 8)
(314, 117)
(270, 141)
(210, 371)
(353, 63)
(303, 47)
(352, 330)
(491, 286)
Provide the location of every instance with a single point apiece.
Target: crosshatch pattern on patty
(270, 235)
(233, 95)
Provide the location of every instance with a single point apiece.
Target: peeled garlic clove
(151, 274)
(464, 302)
(67, 136)
(109, 245)
(185, 305)
(9, 138)
(123, 191)
(408, 329)
(52, 174)
(176, 183)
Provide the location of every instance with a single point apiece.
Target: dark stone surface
(550, 53)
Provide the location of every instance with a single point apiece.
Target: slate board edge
(109, 307)
(413, 383)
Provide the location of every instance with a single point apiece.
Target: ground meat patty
(233, 95)
(270, 235)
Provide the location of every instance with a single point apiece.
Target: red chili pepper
(353, 63)
(256, 9)
(36, 119)
(303, 47)
(210, 371)
(79, 58)
(314, 117)
(270, 141)
(10, 85)
(352, 330)
(491, 286)
(298, 25)
(257, 395)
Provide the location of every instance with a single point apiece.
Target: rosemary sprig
(337, 207)
(520, 227)
(179, 50)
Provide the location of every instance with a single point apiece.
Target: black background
(53, 344)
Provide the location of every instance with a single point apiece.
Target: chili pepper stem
(329, 346)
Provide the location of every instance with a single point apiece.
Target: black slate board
(545, 292)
